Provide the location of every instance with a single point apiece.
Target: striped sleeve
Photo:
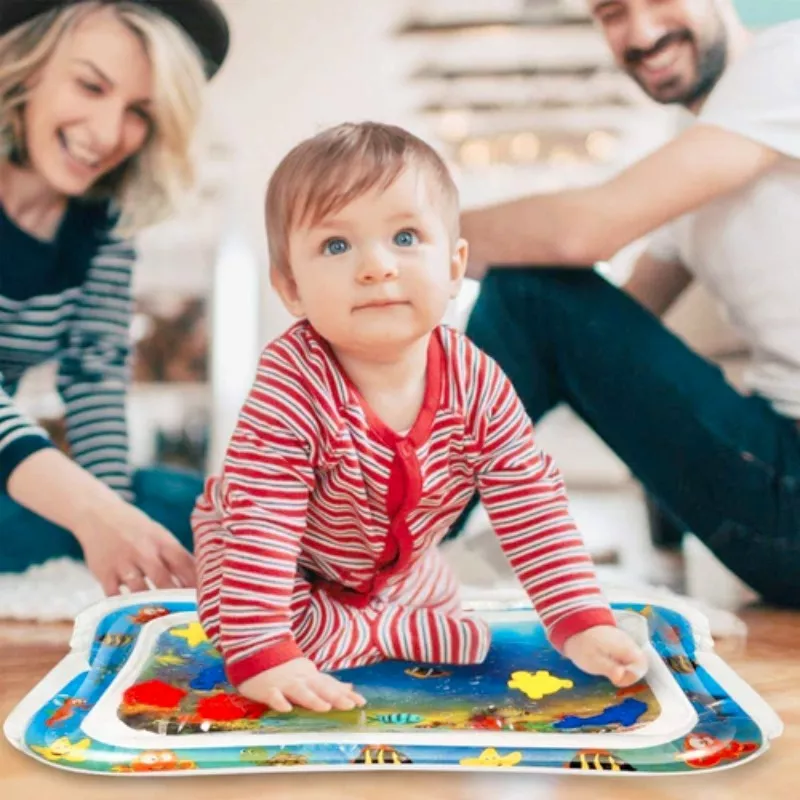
(523, 493)
(20, 437)
(94, 368)
(267, 481)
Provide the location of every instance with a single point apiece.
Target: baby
(368, 428)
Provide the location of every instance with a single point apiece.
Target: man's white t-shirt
(745, 247)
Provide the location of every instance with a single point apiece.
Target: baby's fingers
(627, 677)
(600, 662)
(303, 694)
(360, 700)
(351, 699)
(626, 670)
(339, 695)
(276, 701)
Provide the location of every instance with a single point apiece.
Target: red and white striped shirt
(317, 493)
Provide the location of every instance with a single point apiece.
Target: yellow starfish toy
(193, 633)
(538, 685)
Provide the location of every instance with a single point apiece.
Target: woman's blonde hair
(147, 186)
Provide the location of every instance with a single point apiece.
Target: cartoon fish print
(422, 673)
(538, 685)
(64, 750)
(599, 761)
(380, 754)
(170, 659)
(702, 751)
(148, 614)
(155, 761)
(681, 664)
(66, 710)
(624, 715)
(491, 758)
(400, 718)
(115, 639)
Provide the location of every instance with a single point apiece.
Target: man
(723, 199)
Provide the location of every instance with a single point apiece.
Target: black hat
(202, 20)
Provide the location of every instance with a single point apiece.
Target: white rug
(55, 591)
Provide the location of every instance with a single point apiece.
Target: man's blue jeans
(723, 465)
(167, 495)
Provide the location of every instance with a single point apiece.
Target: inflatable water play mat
(143, 691)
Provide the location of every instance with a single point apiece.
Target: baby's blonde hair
(321, 175)
(147, 186)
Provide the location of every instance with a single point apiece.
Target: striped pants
(418, 619)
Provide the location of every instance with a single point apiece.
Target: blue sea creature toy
(209, 678)
(624, 714)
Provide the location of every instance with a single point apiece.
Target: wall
(297, 66)
(301, 65)
(767, 12)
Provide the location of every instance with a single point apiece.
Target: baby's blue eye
(405, 238)
(335, 247)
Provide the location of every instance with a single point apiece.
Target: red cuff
(578, 622)
(272, 656)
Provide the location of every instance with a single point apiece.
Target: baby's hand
(298, 681)
(607, 650)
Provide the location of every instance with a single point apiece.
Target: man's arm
(657, 284)
(582, 226)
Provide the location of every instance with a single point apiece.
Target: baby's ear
(458, 266)
(284, 284)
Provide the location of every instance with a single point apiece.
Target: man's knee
(526, 298)
(519, 287)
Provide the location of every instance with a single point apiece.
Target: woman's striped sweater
(68, 300)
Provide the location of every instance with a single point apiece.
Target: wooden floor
(769, 661)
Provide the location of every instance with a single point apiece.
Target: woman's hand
(121, 544)
(123, 547)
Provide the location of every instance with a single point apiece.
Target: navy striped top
(68, 300)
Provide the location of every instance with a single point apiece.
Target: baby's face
(378, 274)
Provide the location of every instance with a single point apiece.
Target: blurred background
(519, 95)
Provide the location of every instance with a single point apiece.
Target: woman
(98, 104)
